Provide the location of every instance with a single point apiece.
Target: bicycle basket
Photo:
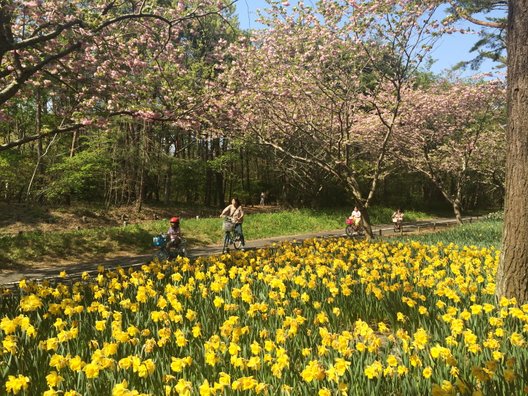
(349, 221)
(158, 240)
(228, 226)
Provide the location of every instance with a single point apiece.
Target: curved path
(10, 277)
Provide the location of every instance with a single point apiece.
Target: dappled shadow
(7, 263)
(19, 213)
(74, 269)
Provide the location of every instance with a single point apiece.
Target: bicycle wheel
(349, 230)
(237, 242)
(227, 240)
(183, 248)
(162, 255)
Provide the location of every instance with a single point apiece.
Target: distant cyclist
(356, 218)
(237, 214)
(397, 219)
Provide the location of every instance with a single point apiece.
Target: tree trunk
(207, 155)
(73, 147)
(365, 218)
(142, 143)
(457, 210)
(140, 191)
(512, 274)
(248, 169)
(167, 189)
(39, 167)
(219, 178)
(457, 202)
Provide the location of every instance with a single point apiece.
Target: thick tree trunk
(512, 275)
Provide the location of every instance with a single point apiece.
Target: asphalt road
(10, 277)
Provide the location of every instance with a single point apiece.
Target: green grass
(77, 245)
(485, 233)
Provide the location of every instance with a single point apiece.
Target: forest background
(173, 104)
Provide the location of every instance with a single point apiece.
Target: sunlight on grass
(136, 238)
(485, 233)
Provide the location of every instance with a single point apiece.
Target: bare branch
(11, 90)
(464, 15)
(46, 37)
(32, 138)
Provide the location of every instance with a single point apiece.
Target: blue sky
(449, 50)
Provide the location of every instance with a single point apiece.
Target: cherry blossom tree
(451, 131)
(137, 76)
(105, 57)
(323, 85)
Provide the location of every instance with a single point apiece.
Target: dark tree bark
(512, 275)
(208, 155)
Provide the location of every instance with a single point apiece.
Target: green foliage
(491, 45)
(188, 175)
(80, 175)
(15, 170)
(223, 162)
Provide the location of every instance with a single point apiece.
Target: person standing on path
(262, 198)
(236, 212)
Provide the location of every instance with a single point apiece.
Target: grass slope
(38, 246)
(485, 233)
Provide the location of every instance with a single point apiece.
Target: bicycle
(397, 220)
(397, 225)
(353, 230)
(160, 241)
(231, 235)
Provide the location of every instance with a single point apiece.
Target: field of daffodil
(325, 317)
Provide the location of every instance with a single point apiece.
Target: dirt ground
(15, 218)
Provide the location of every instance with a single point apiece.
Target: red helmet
(175, 220)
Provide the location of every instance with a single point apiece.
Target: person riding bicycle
(356, 218)
(174, 233)
(397, 219)
(237, 214)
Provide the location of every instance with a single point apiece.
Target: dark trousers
(238, 229)
(174, 243)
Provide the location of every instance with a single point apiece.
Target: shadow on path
(10, 276)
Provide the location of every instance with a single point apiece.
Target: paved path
(9, 277)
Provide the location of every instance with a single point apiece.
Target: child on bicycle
(237, 214)
(174, 233)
